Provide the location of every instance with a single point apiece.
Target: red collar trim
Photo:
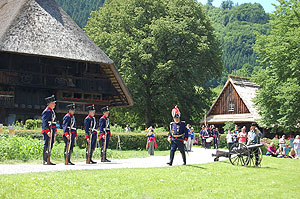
(70, 114)
(104, 116)
(49, 108)
(90, 116)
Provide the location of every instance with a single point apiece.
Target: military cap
(50, 99)
(71, 106)
(105, 109)
(91, 107)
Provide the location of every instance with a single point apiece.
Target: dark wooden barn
(234, 104)
(44, 52)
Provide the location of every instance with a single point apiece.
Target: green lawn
(277, 178)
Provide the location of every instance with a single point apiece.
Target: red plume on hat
(175, 112)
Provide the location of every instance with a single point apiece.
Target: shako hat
(71, 106)
(91, 107)
(175, 112)
(105, 109)
(50, 99)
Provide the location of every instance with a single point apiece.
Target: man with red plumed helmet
(178, 135)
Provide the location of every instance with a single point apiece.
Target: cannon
(242, 155)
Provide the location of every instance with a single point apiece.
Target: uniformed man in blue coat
(104, 128)
(90, 133)
(69, 132)
(178, 136)
(48, 128)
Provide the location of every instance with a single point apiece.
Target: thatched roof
(42, 28)
(246, 90)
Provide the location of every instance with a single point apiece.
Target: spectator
(216, 136)
(285, 151)
(229, 139)
(292, 154)
(236, 130)
(190, 141)
(271, 150)
(297, 146)
(291, 139)
(254, 134)
(151, 142)
(201, 135)
(282, 141)
(242, 136)
(127, 129)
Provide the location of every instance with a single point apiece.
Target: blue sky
(267, 4)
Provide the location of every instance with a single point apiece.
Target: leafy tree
(164, 50)
(279, 53)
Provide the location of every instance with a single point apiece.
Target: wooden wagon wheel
(239, 154)
(252, 161)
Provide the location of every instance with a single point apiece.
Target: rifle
(104, 144)
(50, 141)
(89, 150)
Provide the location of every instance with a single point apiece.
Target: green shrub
(228, 126)
(33, 124)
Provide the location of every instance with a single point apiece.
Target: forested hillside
(80, 10)
(236, 27)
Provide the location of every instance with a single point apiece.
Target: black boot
(45, 157)
(93, 162)
(183, 157)
(172, 153)
(69, 159)
(86, 157)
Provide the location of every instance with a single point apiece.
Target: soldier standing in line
(49, 129)
(90, 134)
(69, 132)
(178, 136)
(104, 128)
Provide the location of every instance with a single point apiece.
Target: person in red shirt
(242, 136)
(271, 150)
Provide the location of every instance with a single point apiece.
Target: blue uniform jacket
(48, 117)
(104, 126)
(89, 126)
(69, 124)
(178, 131)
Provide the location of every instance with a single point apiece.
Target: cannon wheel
(252, 159)
(239, 154)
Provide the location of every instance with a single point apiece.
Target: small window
(87, 96)
(231, 107)
(77, 95)
(67, 94)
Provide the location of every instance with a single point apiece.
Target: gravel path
(198, 156)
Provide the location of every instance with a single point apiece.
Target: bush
(228, 126)
(19, 148)
(33, 124)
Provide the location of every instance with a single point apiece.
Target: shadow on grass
(196, 166)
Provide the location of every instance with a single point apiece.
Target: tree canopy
(164, 50)
(279, 53)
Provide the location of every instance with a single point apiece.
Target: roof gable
(41, 27)
(245, 91)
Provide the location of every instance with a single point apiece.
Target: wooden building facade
(234, 103)
(44, 52)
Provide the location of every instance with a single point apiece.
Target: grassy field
(78, 157)
(277, 178)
